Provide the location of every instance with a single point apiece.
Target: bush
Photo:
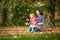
(15, 13)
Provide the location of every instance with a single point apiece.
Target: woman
(40, 20)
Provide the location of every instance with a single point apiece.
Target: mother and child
(36, 22)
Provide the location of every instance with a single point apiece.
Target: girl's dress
(32, 24)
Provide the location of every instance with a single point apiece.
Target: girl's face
(37, 12)
(31, 15)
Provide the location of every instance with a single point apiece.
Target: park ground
(21, 33)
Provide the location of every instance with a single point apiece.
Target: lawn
(53, 36)
(46, 36)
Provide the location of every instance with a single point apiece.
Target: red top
(33, 21)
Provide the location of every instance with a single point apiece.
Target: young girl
(32, 22)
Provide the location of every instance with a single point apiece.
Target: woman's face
(37, 12)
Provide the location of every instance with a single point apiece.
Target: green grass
(12, 26)
(57, 23)
(53, 36)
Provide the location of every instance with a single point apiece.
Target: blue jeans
(31, 29)
(39, 28)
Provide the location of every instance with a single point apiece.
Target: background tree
(51, 10)
(15, 12)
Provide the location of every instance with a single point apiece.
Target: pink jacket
(33, 21)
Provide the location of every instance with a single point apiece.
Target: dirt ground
(15, 31)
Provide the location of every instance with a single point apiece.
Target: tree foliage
(15, 12)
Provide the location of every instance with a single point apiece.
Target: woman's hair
(40, 12)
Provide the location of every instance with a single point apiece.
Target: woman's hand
(40, 23)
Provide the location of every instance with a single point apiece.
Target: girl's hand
(27, 24)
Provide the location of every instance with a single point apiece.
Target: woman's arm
(42, 21)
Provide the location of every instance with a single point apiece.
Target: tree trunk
(4, 16)
(51, 12)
